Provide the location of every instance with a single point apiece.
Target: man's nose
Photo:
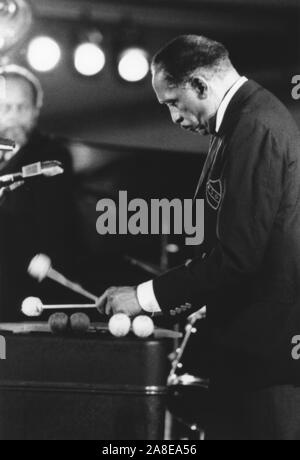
(176, 117)
(13, 114)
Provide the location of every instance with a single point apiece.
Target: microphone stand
(190, 329)
(10, 188)
(176, 364)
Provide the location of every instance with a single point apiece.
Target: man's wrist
(146, 298)
(136, 297)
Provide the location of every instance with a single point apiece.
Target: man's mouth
(16, 134)
(199, 129)
(190, 128)
(6, 156)
(202, 129)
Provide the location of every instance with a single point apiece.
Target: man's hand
(119, 300)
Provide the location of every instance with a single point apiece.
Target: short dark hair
(180, 58)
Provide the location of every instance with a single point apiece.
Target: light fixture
(15, 21)
(43, 54)
(89, 59)
(133, 64)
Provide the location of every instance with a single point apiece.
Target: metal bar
(68, 387)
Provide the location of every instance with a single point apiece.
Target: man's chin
(7, 156)
(19, 136)
(202, 131)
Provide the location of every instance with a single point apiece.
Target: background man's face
(18, 114)
(187, 109)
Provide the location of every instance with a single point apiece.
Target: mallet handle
(68, 307)
(59, 278)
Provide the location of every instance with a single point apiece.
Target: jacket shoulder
(265, 111)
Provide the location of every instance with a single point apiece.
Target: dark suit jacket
(250, 279)
(40, 217)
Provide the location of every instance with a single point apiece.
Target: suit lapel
(232, 112)
(215, 145)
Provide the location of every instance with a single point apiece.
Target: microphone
(45, 168)
(7, 145)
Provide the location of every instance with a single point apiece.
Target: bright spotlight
(134, 65)
(89, 59)
(43, 54)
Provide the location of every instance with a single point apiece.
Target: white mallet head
(119, 325)
(39, 267)
(32, 306)
(143, 326)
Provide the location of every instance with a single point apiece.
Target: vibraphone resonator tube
(60, 323)
(143, 326)
(120, 326)
(80, 323)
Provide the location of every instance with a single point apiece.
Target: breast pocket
(214, 193)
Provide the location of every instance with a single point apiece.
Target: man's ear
(36, 115)
(200, 86)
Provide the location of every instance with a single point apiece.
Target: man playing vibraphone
(250, 276)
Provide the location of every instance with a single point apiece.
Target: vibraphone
(90, 387)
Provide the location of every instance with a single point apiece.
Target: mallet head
(39, 267)
(32, 307)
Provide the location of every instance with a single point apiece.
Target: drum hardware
(187, 392)
(178, 354)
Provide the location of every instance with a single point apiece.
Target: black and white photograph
(149, 223)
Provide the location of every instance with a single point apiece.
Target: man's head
(191, 75)
(21, 99)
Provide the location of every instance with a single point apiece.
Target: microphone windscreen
(52, 168)
(46, 168)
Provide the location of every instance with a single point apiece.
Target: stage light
(89, 59)
(43, 54)
(133, 65)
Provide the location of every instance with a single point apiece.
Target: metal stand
(174, 379)
(190, 329)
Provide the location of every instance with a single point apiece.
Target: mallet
(41, 268)
(33, 306)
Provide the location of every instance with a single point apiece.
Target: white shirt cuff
(147, 299)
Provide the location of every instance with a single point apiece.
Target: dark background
(119, 136)
(262, 35)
